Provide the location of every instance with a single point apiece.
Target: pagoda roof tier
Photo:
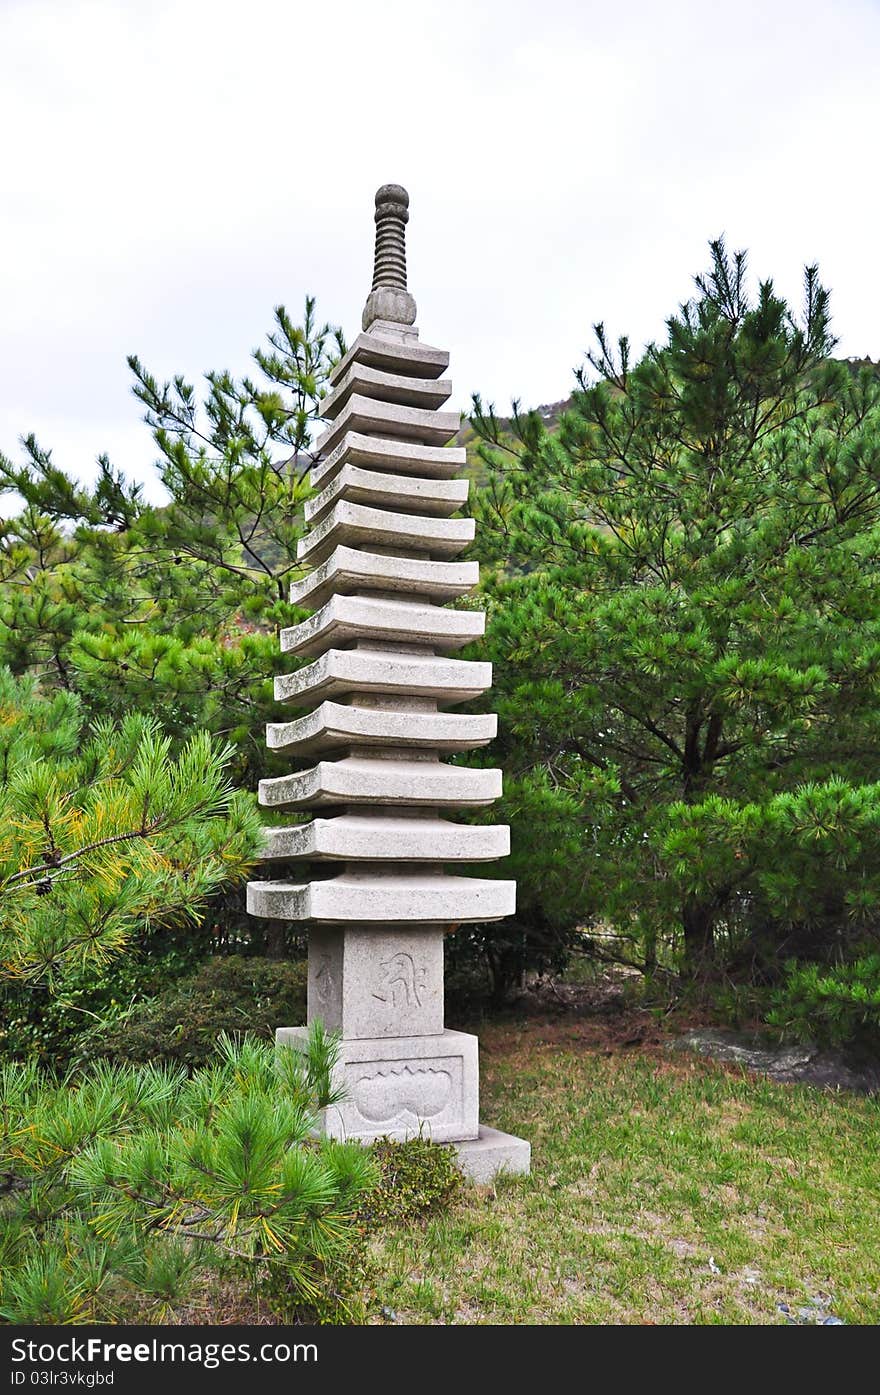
(385, 387)
(357, 523)
(373, 898)
(342, 671)
(345, 619)
(395, 456)
(390, 419)
(381, 837)
(358, 486)
(394, 356)
(377, 780)
(350, 569)
(335, 724)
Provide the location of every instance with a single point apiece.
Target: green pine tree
(684, 588)
(173, 609)
(104, 831)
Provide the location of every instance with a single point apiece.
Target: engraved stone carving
(403, 983)
(421, 1092)
(324, 986)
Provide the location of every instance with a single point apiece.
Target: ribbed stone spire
(373, 870)
(389, 299)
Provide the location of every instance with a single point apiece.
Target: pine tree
(173, 608)
(124, 1187)
(685, 623)
(104, 831)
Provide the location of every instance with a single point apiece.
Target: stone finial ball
(392, 201)
(392, 193)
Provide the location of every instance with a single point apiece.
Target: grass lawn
(663, 1190)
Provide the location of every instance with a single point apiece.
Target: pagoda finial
(389, 300)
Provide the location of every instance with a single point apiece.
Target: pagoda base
(402, 1087)
(493, 1154)
(410, 1087)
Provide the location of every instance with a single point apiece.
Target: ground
(664, 1190)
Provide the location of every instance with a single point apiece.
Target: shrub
(837, 1006)
(415, 1177)
(46, 1024)
(493, 961)
(123, 1185)
(181, 1026)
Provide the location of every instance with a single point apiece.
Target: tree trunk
(698, 922)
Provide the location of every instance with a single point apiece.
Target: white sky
(170, 171)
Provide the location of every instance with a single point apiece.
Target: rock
(806, 1064)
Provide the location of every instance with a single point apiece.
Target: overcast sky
(170, 171)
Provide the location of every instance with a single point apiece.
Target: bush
(837, 1006)
(181, 1026)
(105, 831)
(46, 1024)
(415, 1177)
(124, 1185)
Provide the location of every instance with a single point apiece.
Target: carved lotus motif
(383, 1096)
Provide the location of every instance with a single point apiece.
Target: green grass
(662, 1191)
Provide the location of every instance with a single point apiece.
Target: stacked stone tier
(382, 547)
(355, 672)
(350, 569)
(366, 837)
(396, 457)
(371, 898)
(368, 780)
(348, 523)
(379, 490)
(345, 618)
(335, 724)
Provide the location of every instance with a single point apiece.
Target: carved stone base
(401, 1087)
(492, 1154)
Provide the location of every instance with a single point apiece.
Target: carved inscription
(403, 985)
(324, 983)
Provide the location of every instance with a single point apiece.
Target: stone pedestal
(404, 1086)
(381, 848)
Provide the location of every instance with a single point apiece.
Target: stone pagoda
(377, 882)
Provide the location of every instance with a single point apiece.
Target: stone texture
(345, 618)
(336, 724)
(804, 1063)
(401, 388)
(381, 490)
(377, 983)
(348, 569)
(379, 837)
(403, 1086)
(492, 1154)
(417, 424)
(357, 524)
(341, 671)
(410, 357)
(380, 780)
(388, 304)
(370, 897)
(394, 457)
